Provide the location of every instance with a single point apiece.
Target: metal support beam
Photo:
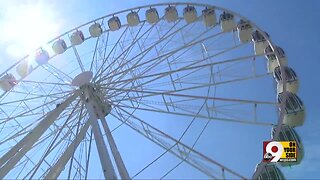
(14, 155)
(59, 166)
(188, 154)
(116, 155)
(91, 105)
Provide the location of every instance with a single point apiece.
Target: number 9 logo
(275, 149)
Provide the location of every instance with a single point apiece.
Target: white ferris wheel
(173, 75)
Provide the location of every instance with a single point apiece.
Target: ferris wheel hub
(82, 78)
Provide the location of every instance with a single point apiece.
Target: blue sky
(291, 25)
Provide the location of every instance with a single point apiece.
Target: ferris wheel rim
(166, 4)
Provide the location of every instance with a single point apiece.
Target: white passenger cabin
(209, 17)
(77, 38)
(133, 19)
(42, 57)
(227, 22)
(269, 172)
(7, 82)
(287, 133)
(59, 46)
(24, 68)
(190, 14)
(294, 109)
(95, 30)
(171, 14)
(244, 31)
(114, 23)
(291, 80)
(272, 58)
(260, 42)
(152, 15)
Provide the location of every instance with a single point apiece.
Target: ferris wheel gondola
(132, 68)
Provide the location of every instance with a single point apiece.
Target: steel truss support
(117, 157)
(107, 167)
(59, 166)
(189, 155)
(94, 107)
(14, 155)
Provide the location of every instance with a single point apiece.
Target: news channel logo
(279, 151)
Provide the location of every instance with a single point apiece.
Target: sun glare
(26, 27)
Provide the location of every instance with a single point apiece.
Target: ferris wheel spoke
(4, 94)
(192, 147)
(180, 150)
(78, 168)
(27, 158)
(27, 113)
(36, 88)
(101, 51)
(23, 131)
(136, 39)
(65, 136)
(94, 56)
(160, 142)
(141, 84)
(38, 147)
(111, 51)
(167, 35)
(167, 58)
(97, 49)
(88, 155)
(189, 110)
(170, 53)
(44, 92)
(164, 37)
(193, 63)
(117, 61)
(56, 169)
(179, 61)
(38, 95)
(23, 110)
(191, 114)
(126, 52)
(8, 161)
(56, 72)
(54, 133)
(73, 153)
(179, 140)
(203, 85)
(18, 123)
(185, 68)
(30, 82)
(144, 51)
(169, 93)
(24, 88)
(55, 139)
(201, 60)
(70, 131)
(75, 51)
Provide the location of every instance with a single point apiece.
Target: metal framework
(144, 73)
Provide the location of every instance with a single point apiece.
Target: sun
(25, 27)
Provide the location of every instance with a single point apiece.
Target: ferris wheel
(90, 102)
